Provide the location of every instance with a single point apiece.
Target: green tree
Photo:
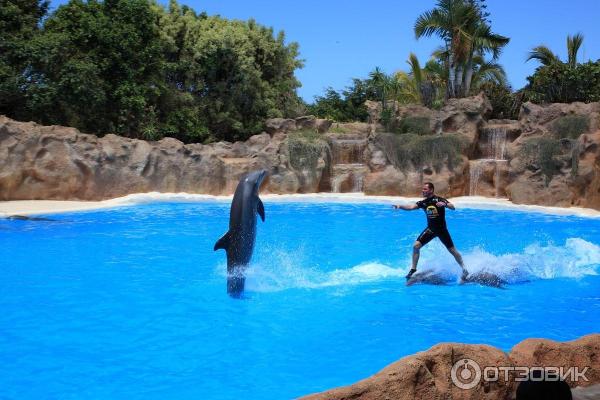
(136, 68)
(380, 83)
(561, 83)
(463, 27)
(19, 24)
(547, 57)
(246, 75)
(347, 105)
(99, 67)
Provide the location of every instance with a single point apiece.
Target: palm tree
(464, 30)
(424, 82)
(448, 21)
(544, 55)
(573, 44)
(483, 40)
(547, 57)
(487, 71)
(379, 81)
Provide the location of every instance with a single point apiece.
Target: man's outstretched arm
(409, 207)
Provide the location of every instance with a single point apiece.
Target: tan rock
(581, 353)
(427, 375)
(275, 125)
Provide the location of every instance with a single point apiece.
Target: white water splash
(281, 271)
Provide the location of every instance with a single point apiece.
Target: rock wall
(53, 162)
(427, 375)
(528, 184)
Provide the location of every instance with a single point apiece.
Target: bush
(387, 118)
(338, 129)
(561, 83)
(409, 149)
(345, 106)
(417, 125)
(138, 69)
(505, 103)
(542, 154)
(570, 126)
(304, 149)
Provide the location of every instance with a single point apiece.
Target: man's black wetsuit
(436, 221)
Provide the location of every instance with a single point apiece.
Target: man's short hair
(429, 185)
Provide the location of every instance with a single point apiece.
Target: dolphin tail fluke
(222, 243)
(261, 209)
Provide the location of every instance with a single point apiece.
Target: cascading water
(476, 168)
(348, 169)
(496, 139)
(494, 157)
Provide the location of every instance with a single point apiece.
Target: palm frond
(573, 44)
(544, 55)
(415, 68)
(489, 71)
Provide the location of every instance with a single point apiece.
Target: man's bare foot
(410, 273)
(464, 276)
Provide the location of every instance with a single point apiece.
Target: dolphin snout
(261, 175)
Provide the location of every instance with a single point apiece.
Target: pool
(130, 303)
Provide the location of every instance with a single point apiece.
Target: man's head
(428, 189)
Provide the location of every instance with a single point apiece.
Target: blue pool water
(130, 303)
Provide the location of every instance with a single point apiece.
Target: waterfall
(496, 139)
(348, 177)
(476, 168)
(348, 151)
(348, 170)
(494, 152)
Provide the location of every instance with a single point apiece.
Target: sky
(344, 39)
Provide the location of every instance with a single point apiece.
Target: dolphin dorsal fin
(260, 209)
(222, 243)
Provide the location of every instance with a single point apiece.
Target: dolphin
(486, 278)
(238, 242)
(428, 277)
(26, 218)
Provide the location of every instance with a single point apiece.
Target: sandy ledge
(33, 207)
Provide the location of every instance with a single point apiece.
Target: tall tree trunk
(451, 75)
(468, 77)
(458, 80)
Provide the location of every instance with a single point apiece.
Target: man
(434, 207)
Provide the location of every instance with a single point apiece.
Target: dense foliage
(542, 154)
(18, 26)
(409, 150)
(560, 82)
(347, 105)
(505, 103)
(134, 68)
(570, 126)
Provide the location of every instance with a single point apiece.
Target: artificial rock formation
(427, 375)
(306, 155)
(54, 162)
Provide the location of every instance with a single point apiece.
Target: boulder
(428, 374)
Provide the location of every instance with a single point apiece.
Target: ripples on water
(131, 303)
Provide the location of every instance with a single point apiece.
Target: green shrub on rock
(417, 125)
(570, 126)
(561, 83)
(409, 149)
(542, 154)
(305, 148)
